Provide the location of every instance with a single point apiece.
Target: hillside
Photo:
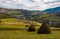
(37, 16)
(25, 14)
(2, 15)
(16, 23)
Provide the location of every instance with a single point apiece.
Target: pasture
(22, 33)
(17, 31)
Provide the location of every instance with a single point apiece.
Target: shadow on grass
(8, 29)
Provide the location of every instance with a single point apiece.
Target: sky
(30, 4)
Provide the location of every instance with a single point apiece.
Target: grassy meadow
(16, 29)
(23, 34)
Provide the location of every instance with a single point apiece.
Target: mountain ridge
(56, 9)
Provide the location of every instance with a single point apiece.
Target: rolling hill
(37, 16)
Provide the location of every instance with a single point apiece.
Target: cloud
(30, 4)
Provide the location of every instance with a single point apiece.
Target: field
(23, 34)
(20, 32)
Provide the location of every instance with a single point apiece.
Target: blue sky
(30, 4)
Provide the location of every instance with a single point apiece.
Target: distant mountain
(56, 9)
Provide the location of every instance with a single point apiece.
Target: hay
(31, 28)
(44, 29)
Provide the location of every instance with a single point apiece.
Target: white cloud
(30, 4)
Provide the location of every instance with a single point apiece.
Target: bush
(44, 29)
(31, 28)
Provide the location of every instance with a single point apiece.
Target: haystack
(31, 28)
(44, 29)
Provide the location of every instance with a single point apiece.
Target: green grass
(23, 34)
(18, 31)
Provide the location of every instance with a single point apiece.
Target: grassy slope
(15, 23)
(2, 15)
